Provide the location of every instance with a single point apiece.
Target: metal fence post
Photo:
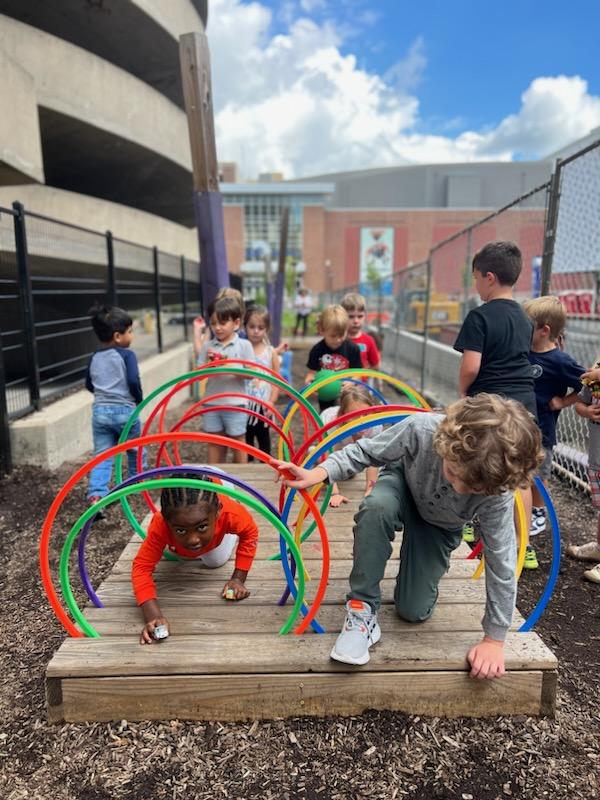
(33, 367)
(550, 232)
(184, 299)
(426, 324)
(157, 305)
(111, 283)
(5, 451)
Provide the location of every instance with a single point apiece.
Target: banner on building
(376, 260)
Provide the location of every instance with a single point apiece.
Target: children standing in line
(554, 373)
(588, 407)
(113, 377)
(257, 323)
(355, 307)
(495, 340)
(332, 353)
(225, 318)
(194, 524)
(353, 398)
(438, 472)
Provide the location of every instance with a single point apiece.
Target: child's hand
(487, 659)
(147, 634)
(234, 589)
(556, 403)
(336, 500)
(298, 477)
(589, 412)
(591, 376)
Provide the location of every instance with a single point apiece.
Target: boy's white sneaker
(360, 631)
(538, 521)
(590, 551)
(593, 574)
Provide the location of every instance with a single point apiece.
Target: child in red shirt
(194, 524)
(355, 307)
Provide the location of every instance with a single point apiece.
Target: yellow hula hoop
(522, 539)
(351, 373)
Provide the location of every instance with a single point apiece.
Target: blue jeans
(108, 422)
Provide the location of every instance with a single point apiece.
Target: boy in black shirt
(495, 340)
(333, 353)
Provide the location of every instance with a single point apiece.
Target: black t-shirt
(347, 356)
(501, 331)
(554, 373)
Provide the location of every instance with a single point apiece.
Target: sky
(306, 87)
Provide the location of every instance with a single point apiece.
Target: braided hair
(172, 497)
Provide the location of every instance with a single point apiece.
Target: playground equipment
(318, 441)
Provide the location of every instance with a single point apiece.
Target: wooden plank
(247, 697)
(184, 593)
(233, 618)
(271, 570)
(398, 651)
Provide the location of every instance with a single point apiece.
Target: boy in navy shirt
(113, 377)
(554, 373)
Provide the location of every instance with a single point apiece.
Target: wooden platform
(225, 660)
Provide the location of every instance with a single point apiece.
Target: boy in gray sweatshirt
(437, 473)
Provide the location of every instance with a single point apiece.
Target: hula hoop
(193, 410)
(522, 540)
(350, 373)
(156, 473)
(368, 386)
(554, 567)
(159, 484)
(180, 382)
(44, 545)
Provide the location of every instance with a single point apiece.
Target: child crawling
(193, 524)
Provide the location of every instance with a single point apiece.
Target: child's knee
(376, 512)
(410, 612)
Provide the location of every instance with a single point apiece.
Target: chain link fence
(557, 228)
(575, 279)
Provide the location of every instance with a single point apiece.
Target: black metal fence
(51, 273)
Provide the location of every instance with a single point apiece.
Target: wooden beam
(398, 651)
(247, 697)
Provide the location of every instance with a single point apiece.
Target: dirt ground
(375, 755)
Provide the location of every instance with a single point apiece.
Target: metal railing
(51, 273)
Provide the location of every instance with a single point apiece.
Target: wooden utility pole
(194, 57)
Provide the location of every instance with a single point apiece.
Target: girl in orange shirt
(194, 524)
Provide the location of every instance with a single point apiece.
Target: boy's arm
(391, 446)
(310, 376)
(499, 547)
(558, 403)
(588, 411)
(373, 355)
(133, 375)
(469, 369)
(88, 378)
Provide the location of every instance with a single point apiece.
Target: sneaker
(468, 533)
(538, 521)
(593, 574)
(360, 631)
(590, 551)
(531, 561)
(100, 515)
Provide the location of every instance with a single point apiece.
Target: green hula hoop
(207, 371)
(159, 484)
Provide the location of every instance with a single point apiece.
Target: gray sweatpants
(424, 555)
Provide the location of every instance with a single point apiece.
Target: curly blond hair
(494, 444)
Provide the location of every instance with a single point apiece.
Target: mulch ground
(375, 755)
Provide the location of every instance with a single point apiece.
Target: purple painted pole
(277, 310)
(214, 275)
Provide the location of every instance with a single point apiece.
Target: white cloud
(293, 102)
(312, 5)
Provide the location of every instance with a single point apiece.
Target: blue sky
(449, 77)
